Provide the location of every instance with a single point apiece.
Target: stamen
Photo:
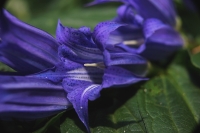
(134, 42)
(99, 65)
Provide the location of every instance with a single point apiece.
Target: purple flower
(28, 50)
(160, 9)
(68, 71)
(29, 98)
(154, 41)
(93, 67)
(145, 29)
(25, 48)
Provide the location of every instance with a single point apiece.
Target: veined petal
(81, 54)
(151, 25)
(161, 40)
(129, 61)
(112, 34)
(28, 98)
(79, 92)
(80, 83)
(160, 9)
(25, 48)
(123, 58)
(126, 15)
(72, 70)
(115, 76)
(77, 45)
(102, 33)
(126, 34)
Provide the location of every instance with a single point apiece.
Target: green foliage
(195, 58)
(5, 68)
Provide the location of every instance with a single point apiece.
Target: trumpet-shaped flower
(149, 30)
(160, 9)
(28, 50)
(82, 66)
(29, 98)
(96, 65)
(25, 48)
(155, 41)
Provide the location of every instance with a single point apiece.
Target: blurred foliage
(5, 68)
(45, 14)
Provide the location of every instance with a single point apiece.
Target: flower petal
(72, 70)
(29, 98)
(161, 40)
(160, 9)
(25, 48)
(102, 33)
(77, 45)
(125, 15)
(113, 34)
(123, 58)
(132, 62)
(115, 76)
(79, 92)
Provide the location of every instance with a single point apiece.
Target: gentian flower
(160, 9)
(93, 66)
(83, 66)
(30, 98)
(148, 31)
(27, 50)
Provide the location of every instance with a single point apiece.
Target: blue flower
(29, 98)
(68, 71)
(160, 9)
(147, 29)
(28, 50)
(25, 48)
(154, 40)
(93, 67)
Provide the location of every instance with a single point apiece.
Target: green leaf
(52, 126)
(5, 68)
(170, 103)
(109, 114)
(195, 59)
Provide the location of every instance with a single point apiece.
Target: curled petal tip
(102, 32)
(79, 97)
